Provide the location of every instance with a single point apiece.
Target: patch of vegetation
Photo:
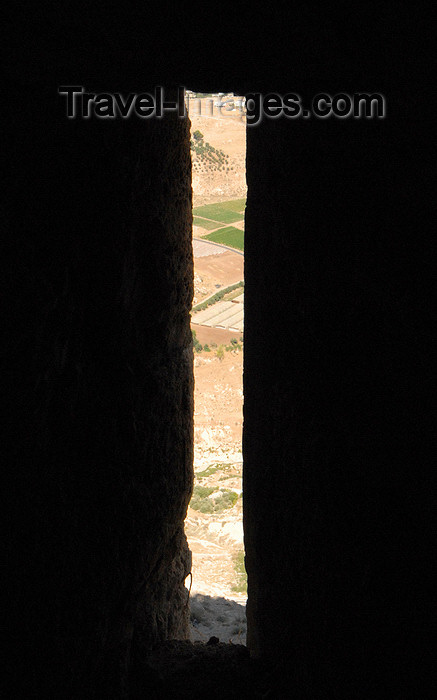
(238, 205)
(205, 223)
(207, 155)
(227, 499)
(202, 502)
(235, 205)
(203, 491)
(225, 212)
(219, 466)
(198, 347)
(229, 235)
(240, 570)
(200, 499)
(207, 472)
(216, 297)
(219, 351)
(232, 295)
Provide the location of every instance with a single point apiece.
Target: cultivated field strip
(212, 311)
(223, 314)
(228, 318)
(202, 249)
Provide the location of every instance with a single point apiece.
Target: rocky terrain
(214, 521)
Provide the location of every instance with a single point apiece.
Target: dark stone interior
(97, 362)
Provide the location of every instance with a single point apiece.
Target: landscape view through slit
(214, 521)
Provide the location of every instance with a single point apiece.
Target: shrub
(198, 135)
(206, 506)
(200, 499)
(227, 499)
(209, 471)
(218, 466)
(203, 491)
(196, 345)
(202, 502)
(220, 353)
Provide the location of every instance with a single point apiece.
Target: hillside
(214, 521)
(228, 135)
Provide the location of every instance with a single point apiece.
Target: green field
(237, 205)
(229, 235)
(223, 212)
(205, 223)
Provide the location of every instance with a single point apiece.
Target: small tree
(198, 135)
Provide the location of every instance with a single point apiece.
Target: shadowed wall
(99, 381)
(337, 391)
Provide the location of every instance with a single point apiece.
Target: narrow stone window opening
(214, 528)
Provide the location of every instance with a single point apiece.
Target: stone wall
(336, 395)
(99, 383)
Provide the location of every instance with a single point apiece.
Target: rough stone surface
(335, 462)
(99, 380)
(183, 670)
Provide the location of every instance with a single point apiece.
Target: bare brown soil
(218, 401)
(220, 336)
(212, 270)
